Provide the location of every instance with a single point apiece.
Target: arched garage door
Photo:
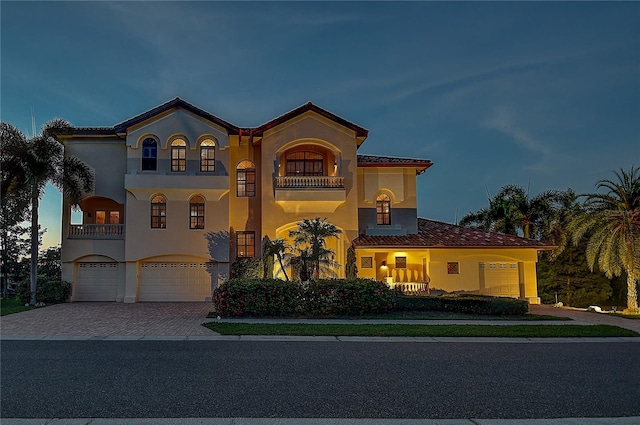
(96, 282)
(175, 281)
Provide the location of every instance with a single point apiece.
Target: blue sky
(545, 95)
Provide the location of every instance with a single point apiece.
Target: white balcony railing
(309, 182)
(96, 231)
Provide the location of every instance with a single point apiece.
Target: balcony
(309, 194)
(96, 231)
(309, 182)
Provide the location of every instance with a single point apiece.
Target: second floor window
(149, 154)
(245, 244)
(207, 156)
(178, 155)
(196, 213)
(246, 179)
(158, 212)
(383, 209)
(304, 164)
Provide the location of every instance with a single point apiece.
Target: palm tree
(277, 247)
(611, 223)
(313, 234)
(41, 160)
(512, 211)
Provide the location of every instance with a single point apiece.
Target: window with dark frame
(178, 155)
(246, 179)
(383, 209)
(366, 262)
(304, 163)
(196, 213)
(453, 267)
(401, 262)
(207, 156)
(158, 212)
(245, 244)
(149, 154)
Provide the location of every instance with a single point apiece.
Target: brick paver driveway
(109, 319)
(583, 316)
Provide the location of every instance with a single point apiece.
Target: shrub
(50, 291)
(273, 297)
(476, 304)
(246, 268)
(257, 297)
(347, 297)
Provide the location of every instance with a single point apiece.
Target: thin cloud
(503, 120)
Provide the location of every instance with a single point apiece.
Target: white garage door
(499, 279)
(174, 282)
(96, 282)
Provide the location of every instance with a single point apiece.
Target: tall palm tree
(42, 160)
(313, 234)
(512, 211)
(611, 223)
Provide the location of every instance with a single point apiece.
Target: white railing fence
(295, 182)
(96, 231)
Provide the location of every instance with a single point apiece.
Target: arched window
(383, 209)
(149, 154)
(158, 212)
(207, 156)
(178, 155)
(246, 179)
(304, 164)
(196, 213)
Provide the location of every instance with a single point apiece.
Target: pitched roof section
(435, 234)
(360, 132)
(175, 103)
(390, 161)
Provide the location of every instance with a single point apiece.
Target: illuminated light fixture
(384, 264)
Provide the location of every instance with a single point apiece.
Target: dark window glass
(158, 212)
(178, 155)
(149, 154)
(246, 179)
(245, 244)
(304, 164)
(383, 209)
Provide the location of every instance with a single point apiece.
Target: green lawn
(12, 305)
(514, 331)
(431, 315)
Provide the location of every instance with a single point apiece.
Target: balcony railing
(96, 231)
(309, 182)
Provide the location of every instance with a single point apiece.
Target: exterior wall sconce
(384, 264)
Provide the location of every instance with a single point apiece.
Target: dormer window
(149, 154)
(178, 155)
(383, 209)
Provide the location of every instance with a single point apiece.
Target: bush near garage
(325, 297)
(469, 304)
(49, 291)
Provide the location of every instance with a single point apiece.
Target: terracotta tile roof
(435, 234)
(392, 161)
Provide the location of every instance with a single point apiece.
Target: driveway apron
(587, 317)
(108, 319)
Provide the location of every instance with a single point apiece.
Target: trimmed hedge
(475, 304)
(326, 297)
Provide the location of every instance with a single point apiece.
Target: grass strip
(431, 315)
(12, 305)
(506, 331)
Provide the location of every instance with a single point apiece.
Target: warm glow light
(384, 264)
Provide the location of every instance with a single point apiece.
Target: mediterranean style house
(180, 194)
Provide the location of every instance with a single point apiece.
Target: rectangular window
(246, 183)
(401, 262)
(207, 159)
(114, 217)
(366, 262)
(196, 213)
(245, 244)
(158, 215)
(178, 158)
(101, 217)
(453, 267)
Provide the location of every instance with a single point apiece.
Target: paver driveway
(108, 319)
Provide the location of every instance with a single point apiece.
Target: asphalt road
(119, 379)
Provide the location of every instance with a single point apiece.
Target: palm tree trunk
(632, 292)
(282, 267)
(35, 198)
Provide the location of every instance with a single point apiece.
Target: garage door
(96, 282)
(499, 279)
(174, 282)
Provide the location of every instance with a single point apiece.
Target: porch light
(384, 264)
